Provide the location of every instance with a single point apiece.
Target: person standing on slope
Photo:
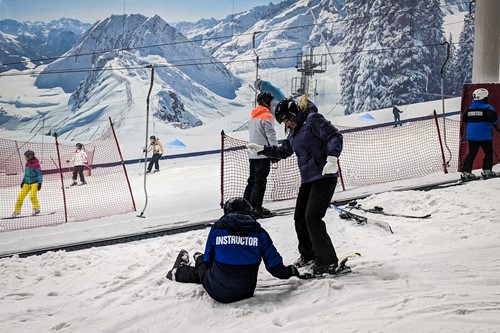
(261, 131)
(234, 250)
(80, 160)
(157, 148)
(317, 144)
(397, 117)
(31, 183)
(480, 118)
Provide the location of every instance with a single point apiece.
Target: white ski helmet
(480, 94)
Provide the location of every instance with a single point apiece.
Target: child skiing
(32, 183)
(79, 159)
(157, 148)
(235, 247)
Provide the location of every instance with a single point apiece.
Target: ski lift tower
(307, 65)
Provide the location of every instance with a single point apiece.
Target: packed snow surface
(439, 274)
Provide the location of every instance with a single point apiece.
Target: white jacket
(79, 158)
(156, 147)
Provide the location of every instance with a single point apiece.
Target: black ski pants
(312, 202)
(192, 274)
(78, 171)
(487, 146)
(154, 160)
(256, 186)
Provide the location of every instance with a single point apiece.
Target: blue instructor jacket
(235, 247)
(480, 118)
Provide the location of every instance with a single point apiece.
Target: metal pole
(448, 51)
(222, 135)
(146, 141)
(486, 58)
(62, 179)
(123, 163)
(256, 67)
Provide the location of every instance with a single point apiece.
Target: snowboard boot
(468, 176)
(261, 212)
(302, 262)
(196, 255)
(487, 174)
(74, 183)
(16, 214)
(318, 270)
(36, 212)
(182, 259)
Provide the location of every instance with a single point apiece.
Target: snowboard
(342, 269)
(25, 216)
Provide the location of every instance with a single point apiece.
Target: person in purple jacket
(317, 144)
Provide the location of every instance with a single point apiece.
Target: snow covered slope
(434, 275)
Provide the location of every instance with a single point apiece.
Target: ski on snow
(380, 210)
(25, 216)
(359, 219)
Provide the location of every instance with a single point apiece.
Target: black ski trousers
(78, 171)
(256, 186)
(312, 202)
(487, 146)
(154, 160)
(192, 274)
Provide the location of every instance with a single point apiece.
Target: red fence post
(340, 175)
(123, 163)
(445, 167)
(222, 134)
(62, 179)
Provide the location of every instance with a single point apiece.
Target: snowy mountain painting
(203, 70)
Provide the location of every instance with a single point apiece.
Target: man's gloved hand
(293, 270)
(331, 166)
(39, 186)
(254, 148)
(67, 161)
(22, 184)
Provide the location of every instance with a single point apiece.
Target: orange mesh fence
(106, 193)
(371, 155)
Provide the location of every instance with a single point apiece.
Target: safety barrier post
(123, 163)
(445, 167)
(62, 179)
(222, 134)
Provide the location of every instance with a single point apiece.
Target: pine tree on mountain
(354, 26)
(449, 70)
(463, 59)
(371, 80)
(416, 62)
(400, 58)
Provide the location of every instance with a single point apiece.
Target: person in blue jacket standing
(317, 144)
(31, 184)
(480, 118)
(234, 250)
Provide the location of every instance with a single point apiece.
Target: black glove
(39, 186)
(22, 184)
(293, 270)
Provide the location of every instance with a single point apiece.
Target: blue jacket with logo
(235, 247)
(313, 140)
(480, 118)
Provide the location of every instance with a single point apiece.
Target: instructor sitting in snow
(235, 247)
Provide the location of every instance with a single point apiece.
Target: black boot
(182, 259)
